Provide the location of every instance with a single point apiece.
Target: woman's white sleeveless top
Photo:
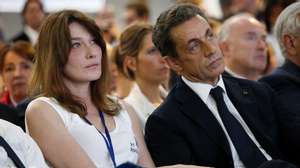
(88, 137)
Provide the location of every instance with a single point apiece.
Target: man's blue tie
(248, 152)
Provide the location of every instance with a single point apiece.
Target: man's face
(247, 47)
(130, 16)
(200, 58)
(34, 15)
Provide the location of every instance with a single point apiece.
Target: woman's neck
(151, 91)
(124, 86)
(80, 90)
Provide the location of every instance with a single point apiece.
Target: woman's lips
(92, 66)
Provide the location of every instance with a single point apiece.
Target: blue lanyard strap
(107, 139)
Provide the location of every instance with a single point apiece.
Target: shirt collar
(31, 33)
(233, 73)
(203, 89)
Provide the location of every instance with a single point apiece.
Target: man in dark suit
(33, 15)
(207, 119)
(285, 80)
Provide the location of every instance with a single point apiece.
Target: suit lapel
(195, 109)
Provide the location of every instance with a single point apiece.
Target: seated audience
(242, 39)
(285, 80)
(208, 119)
(146, 67)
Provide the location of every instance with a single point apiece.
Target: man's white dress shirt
(203, 90)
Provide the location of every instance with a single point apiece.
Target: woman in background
(16, 62)
(122, 85)
(146, 67)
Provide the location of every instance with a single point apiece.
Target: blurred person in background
(16, 62)
(33, 14)
(136, 12)
(146, 67)
(2, 44)
(106, 20)
(232, 7)
(270, 14)
(242, 39)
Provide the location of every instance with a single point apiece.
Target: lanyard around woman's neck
(107, 139)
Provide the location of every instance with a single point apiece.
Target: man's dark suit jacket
(183, 129)
(286, 82)
(22, 36)
(11, 114)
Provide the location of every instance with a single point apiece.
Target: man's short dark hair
(169, 19)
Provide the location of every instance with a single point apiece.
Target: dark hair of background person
(272, 10)
(141, 9)
(131, 42)
(169, 19)
(52, 50)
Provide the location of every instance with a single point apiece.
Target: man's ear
(174, 64)
(289, 44)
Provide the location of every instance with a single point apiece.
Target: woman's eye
(76, 45)
(152, 51)
(9, 69)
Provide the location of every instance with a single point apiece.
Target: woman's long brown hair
(52, 51)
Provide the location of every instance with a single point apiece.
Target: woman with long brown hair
(72, 119)
(144, 65)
